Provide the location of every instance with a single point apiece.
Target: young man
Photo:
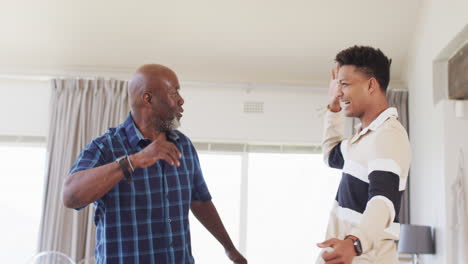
(143, 177)
(363, 224)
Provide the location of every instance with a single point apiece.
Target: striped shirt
(375, 164)
(145, 221)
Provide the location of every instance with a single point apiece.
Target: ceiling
(260, 41)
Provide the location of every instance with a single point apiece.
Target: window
(284, 215)
(275, 206)
(21, 196)
(290, 196)
(222, 172)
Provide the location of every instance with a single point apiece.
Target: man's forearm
(87, 186)
(333, 131)
(375, 219)
(207, 214)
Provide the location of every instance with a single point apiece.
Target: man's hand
(159, 149)
(235, 256)
(206, 213)
(334, 91)
(343, 252)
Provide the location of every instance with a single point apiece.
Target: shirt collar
(134, 134)
(389, 112)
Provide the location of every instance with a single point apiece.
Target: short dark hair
(369, 61)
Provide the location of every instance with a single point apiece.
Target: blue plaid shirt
(146, 221)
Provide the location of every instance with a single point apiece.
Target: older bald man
(143, 177)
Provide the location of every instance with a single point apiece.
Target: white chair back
(50, 257)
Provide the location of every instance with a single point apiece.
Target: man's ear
(373, 85)
(147, 98)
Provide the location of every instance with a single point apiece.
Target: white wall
(289, 116)
(211, 114)
(24, 107)
(456, 139)
(434, 131)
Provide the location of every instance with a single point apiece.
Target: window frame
(244, 149)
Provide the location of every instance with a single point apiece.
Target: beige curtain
(398, 98)
(80, 110)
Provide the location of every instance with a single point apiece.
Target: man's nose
(181, 100)
(339, 93)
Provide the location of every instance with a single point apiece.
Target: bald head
(148, 78)
(155, 99)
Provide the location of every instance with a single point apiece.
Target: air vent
(253, 107)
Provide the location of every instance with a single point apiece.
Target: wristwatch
(356, 243)
(126, 167)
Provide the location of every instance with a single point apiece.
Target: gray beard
(167, 125)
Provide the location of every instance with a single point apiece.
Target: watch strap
(356, 243)
(125, 167)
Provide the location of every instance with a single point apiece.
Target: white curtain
(80, 110)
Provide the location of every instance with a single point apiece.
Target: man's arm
(388, 171)
(207, 214)
(88, 185)
(334, 126)
(376, 218)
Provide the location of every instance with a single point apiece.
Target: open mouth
(344, 104)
